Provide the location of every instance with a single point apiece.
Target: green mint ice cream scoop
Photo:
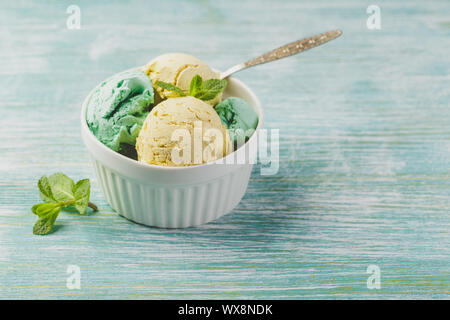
(239, 118)
(118, 107)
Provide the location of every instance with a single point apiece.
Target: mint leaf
(45, 190)
(171, 87)
(215, 85)
(43, 209)
(62, 187)
(81, 192)
(45, 223)
(206, 90)
(196, 85)
(212, 88)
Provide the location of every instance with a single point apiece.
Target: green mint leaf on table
(45, 223)
(59, 192)
(171, 87)
(81, 192)
(62, 187)
(42, 209)
(45, 190)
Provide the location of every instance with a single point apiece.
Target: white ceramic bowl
(173, 197)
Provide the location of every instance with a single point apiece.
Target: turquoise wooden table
(364, 177)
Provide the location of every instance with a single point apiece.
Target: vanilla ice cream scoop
(178, 69)
(181, 132)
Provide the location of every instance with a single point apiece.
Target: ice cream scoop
(178, 69)
(118, 107)
(239, 118)
(181, 132)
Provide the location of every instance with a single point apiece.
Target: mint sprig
(59, 192)
(203, 90)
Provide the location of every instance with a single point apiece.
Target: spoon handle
(285, 51)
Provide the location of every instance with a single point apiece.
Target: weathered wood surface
(364, 152)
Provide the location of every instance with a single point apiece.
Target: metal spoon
(284, 51)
